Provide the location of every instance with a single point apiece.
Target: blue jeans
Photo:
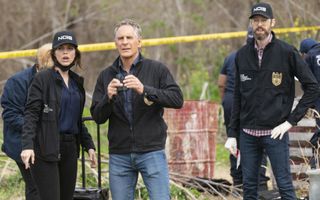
(124, 170)
(251, 149)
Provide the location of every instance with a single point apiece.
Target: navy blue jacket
(13, 101)
(313, 61)
(228, 70)
(264, 96)
(148, 131)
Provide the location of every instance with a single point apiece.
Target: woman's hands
(92, 158)
(27, 157)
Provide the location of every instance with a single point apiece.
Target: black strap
(99, 156)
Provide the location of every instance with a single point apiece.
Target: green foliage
(296, 37)
(198, 20)
(195, 70)
(222, 155)
(141, 194)
(175, 192)
(156, 28)
(12, 184)
(92, 128)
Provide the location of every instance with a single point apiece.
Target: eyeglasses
(262, 21)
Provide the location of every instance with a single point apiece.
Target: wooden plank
(299, 160)
(300, 152)
(300, 136)
(301, 144)
(298, 169)
(308, 122)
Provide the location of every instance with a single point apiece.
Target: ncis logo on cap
(263, 9)
(64, 37)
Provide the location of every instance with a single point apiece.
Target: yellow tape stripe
(160, 41)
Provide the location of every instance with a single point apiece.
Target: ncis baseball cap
(64, 37)
(263, 9)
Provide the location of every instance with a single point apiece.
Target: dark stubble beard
(261, 36)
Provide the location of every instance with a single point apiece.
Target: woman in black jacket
(53, 128)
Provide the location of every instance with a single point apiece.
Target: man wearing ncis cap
(264, 93)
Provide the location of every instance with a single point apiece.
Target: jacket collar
(116, 66)
(252, 42)
(72, 75)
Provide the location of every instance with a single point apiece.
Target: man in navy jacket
(310, 50)
(13, 102)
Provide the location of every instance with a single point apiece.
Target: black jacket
(263, 97)
(41, 127)
(148, 130)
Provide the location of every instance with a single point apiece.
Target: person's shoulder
(21, 75)
(315, 50)
(44, 75)
(284, 45)
(108, 69)
(153, 63)
(232, 55)
(243, 50)
(45, 72)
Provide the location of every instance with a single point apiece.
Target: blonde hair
(43, 57)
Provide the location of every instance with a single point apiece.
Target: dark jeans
(236, 173)
(252, 149)
(31, 191)
(56, 180)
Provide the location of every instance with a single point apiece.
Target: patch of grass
(222, 155)
(12, 184)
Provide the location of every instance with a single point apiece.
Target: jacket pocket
(48, 139)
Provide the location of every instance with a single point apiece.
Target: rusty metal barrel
(191, 141)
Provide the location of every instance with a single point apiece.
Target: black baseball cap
(263, 9)
(307, 44)
(64, 37)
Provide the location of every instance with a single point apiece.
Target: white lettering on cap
(260, 9)
(65, 37)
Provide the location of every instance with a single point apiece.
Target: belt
(67, 137)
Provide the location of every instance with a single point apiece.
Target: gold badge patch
(276, 78)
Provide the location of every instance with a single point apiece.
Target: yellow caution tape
(160, 41)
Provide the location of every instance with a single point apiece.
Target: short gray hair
(136, 27)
